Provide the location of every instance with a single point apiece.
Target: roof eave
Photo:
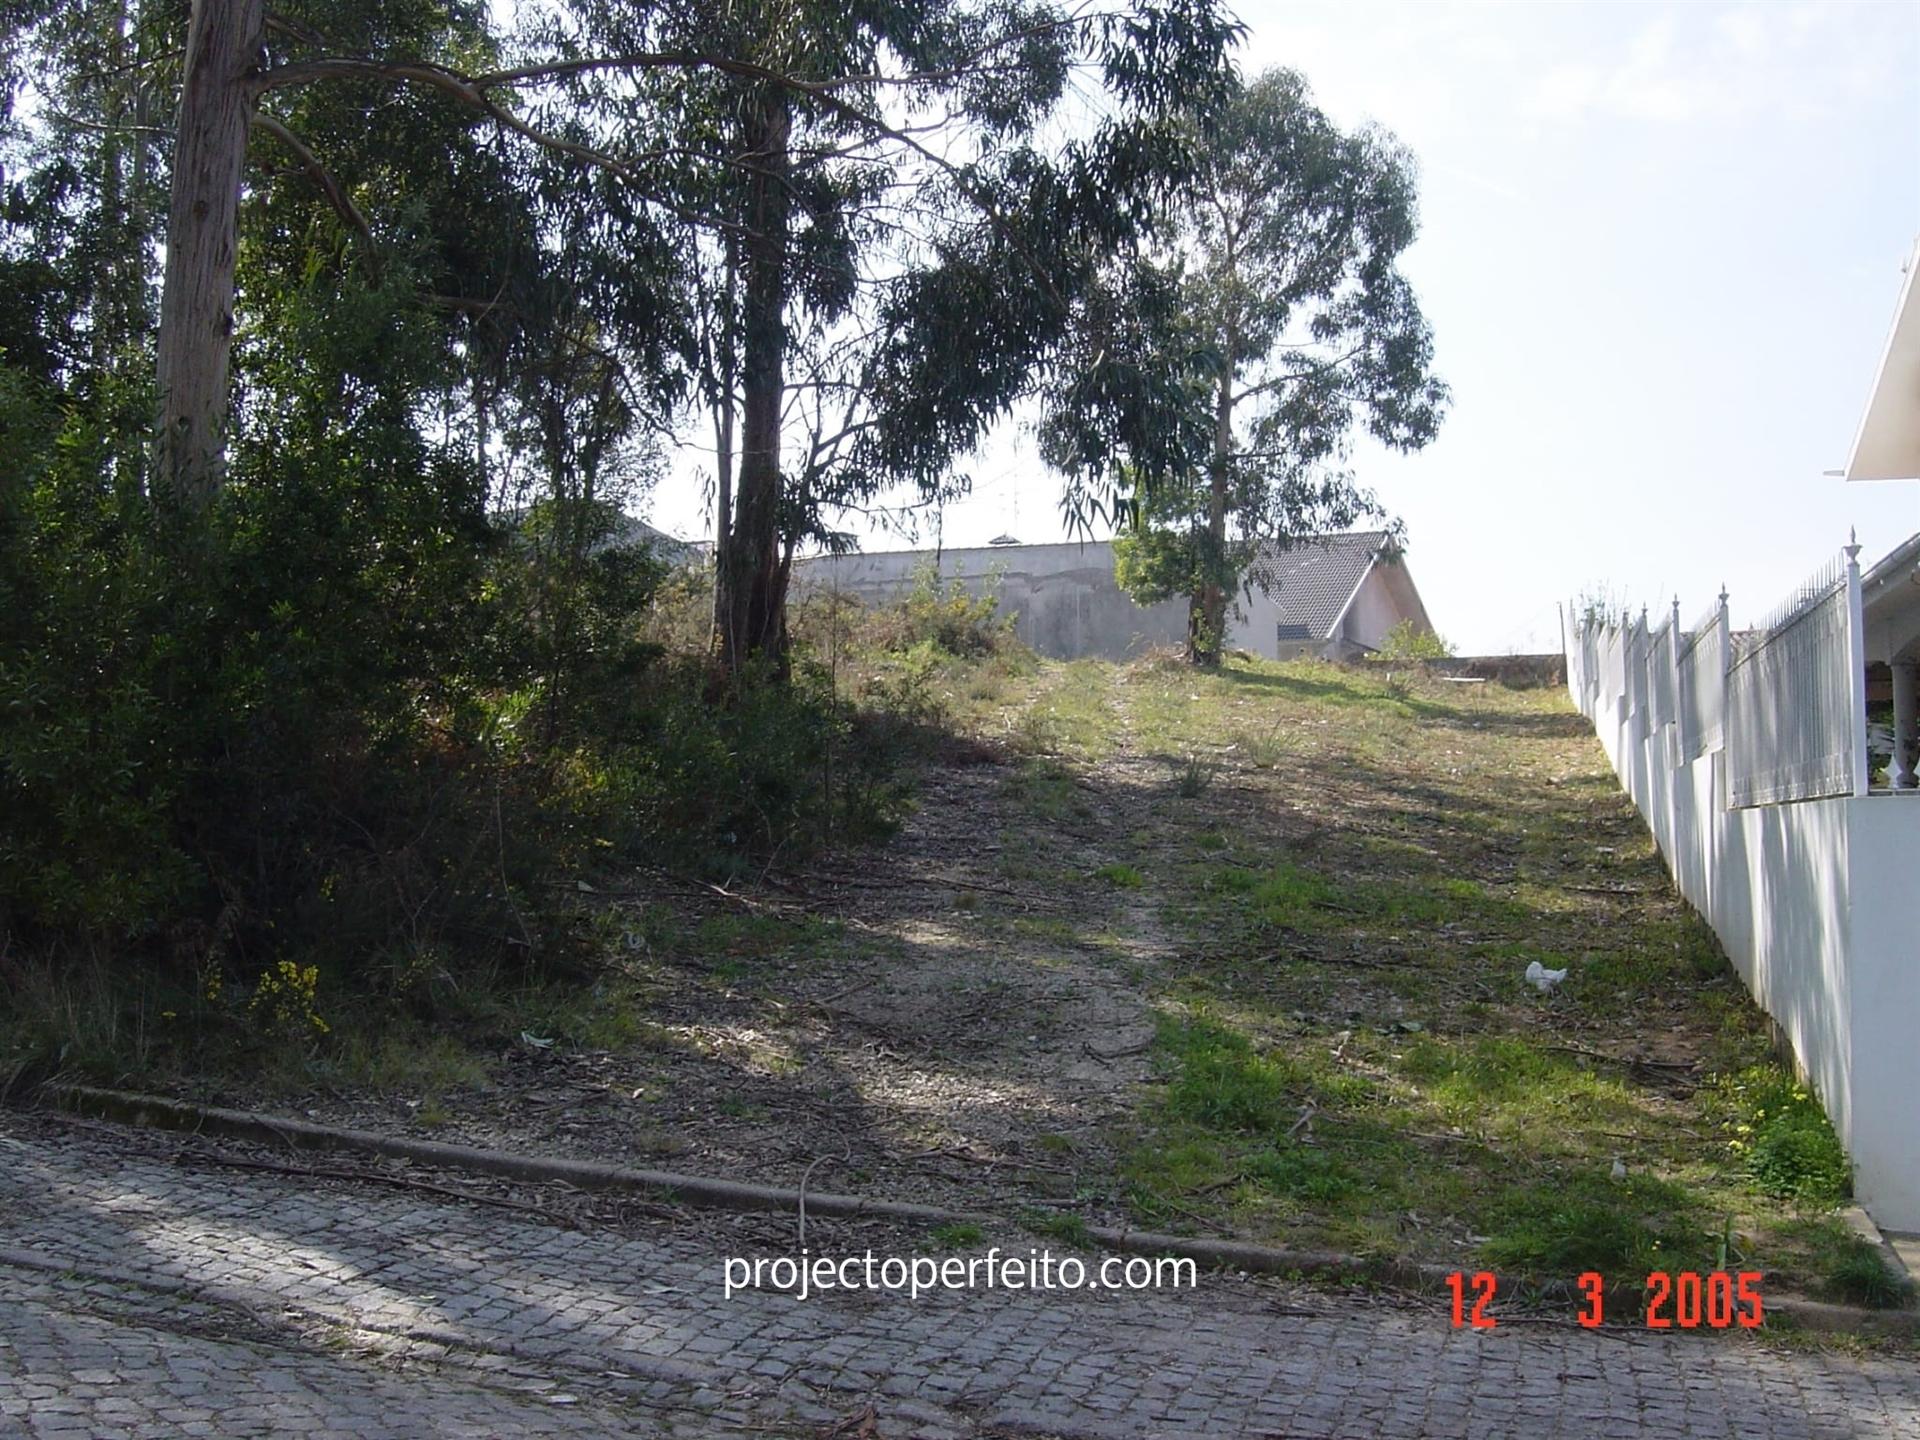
(1887, 444)
(1373, 559)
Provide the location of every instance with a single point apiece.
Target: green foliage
(1121, 877)
(1278, 325)
(1854, 1272)
(343, 737)
(1579, 1223)
(1410, 641)
(1193, 777)
(1156, 564)
(1222, 1082)
(1786, 1141)
(773, 769)
(954, 622)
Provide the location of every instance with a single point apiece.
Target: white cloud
(1684, 67)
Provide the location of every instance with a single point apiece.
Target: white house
(1334, 596)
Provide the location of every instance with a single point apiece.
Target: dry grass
(1240, 952)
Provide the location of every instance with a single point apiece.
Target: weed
(958, 1235)
(1855, 1272)
(1122, 877)
(1060, 1226)
(1581, 1223)
(1194, 778)
(1785, 1140)
(1301, 1171)
(1267, 749)
(1220, 1081)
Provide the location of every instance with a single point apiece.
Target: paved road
(144, 1294)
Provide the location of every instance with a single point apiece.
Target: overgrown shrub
(1410, 641)
(951, 619)
(342, 735)
(1788, 1144)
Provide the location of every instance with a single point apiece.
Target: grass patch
(1855, 1273)
(1121, 877)
(1785, 1140)
(1049, 790)
(1580, 1223)
(959, 1235)
(1359, 1062)
(1220, 1081)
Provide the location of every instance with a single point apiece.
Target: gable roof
(1314, 579)
(1887, 444)
(630, 530)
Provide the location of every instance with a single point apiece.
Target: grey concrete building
(1335, 596)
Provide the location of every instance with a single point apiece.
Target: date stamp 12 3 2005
(1685, 1300)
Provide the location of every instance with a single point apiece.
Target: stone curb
(161, 1113)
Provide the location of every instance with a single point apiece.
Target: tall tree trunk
(752, 583)
(724, 375)
(1207, 614)
(203, 226)
(110, 327)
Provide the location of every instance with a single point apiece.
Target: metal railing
(1796, 697)
(1701, 668)
(1786, 701)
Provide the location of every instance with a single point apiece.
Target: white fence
(1746, 754)
(1796, 706)
(1787, 701)
(1701, 668)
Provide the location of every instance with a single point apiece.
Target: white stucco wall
(1811, 903)
(1385, 598)
(1063, 598)
(1884, 1006)
(1066, 605)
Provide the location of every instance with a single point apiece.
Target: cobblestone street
(144, 1296)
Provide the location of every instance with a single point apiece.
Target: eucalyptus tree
(1271, 321)
(76, 295)
(882, 179)
(885, 236)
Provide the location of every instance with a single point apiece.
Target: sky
(1660, 249)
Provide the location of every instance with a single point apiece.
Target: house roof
(1314, 578)
(629, 530)
(1887, 446)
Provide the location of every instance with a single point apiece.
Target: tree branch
(336, 194)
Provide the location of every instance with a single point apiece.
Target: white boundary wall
(1812, 901)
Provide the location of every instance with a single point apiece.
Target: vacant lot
(1241, 952)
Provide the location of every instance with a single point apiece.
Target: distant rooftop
(1314, 577)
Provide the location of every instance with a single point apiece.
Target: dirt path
(962, 1015)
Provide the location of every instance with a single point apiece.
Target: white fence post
(1675, 748)
(1723, 625)
(1857, 665)
(1637, 675)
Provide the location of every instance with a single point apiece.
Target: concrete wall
(1065, 603)
(1063, 597)
(1811, 902)
(1884, 1005)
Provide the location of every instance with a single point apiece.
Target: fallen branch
(1104, 1056)
(1682, 1066)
